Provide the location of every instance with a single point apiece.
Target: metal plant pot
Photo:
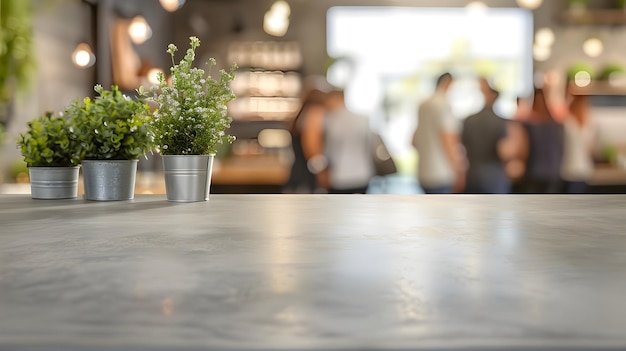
(109, 180)
(187, 177)
(53, 182)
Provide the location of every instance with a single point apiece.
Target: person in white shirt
(441, 168)
(577, 165)
(339, 143)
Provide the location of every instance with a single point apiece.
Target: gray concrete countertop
(291, 272)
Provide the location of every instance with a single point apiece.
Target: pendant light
(529, 4)
(139, 30)
(83, 56)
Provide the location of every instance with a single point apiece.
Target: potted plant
(112, 134)
(49, 150)
(189, 122)
(578, 6)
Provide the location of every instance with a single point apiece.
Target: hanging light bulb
(476, 9)
(582, 79)
(477, 6)
(281, 7)
(276, 20)
(139, 30)
(593, 47)
(529, 4)
(83, 56)
(153, 75)
(172, 5)
(544, 37)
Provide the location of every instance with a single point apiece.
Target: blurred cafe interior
(384, 54)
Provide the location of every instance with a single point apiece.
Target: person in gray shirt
(338, 142)
(481, 134)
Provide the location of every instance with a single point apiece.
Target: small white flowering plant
(191, 116)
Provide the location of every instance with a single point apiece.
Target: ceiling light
(582, 79)
(276, 20)
(172, 5)
(83, 56)
(544, 37)
(282, 8)
(153, 75)
(139, 30)
(529, 4)
(593, 47)
(476, 8)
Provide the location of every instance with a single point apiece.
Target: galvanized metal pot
(109, 180)
(53, 182)
(187, 177)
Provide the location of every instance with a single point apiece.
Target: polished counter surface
(293, 272)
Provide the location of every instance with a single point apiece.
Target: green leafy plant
(112, 126)
(573, 69)
(610, 69)
(577, 4)
(48, 142)
(191, 116)
(17, 58)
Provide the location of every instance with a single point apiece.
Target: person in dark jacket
(544, 149)
(482, 132)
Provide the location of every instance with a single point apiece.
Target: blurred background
(385, 54)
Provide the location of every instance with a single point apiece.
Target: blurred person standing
(577, 166)
(301, 179)
(539, 145)
(481, 134)
(340, 145)
(440, 166)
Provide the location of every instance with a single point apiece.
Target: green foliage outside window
(17, 58)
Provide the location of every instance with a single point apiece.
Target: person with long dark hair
(301, 178)
(545, 149)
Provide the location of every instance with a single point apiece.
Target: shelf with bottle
(264, 108)
(266, 55)
(268, 82)
(598, 87)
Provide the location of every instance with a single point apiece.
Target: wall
(58, 27)
(153, 49)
